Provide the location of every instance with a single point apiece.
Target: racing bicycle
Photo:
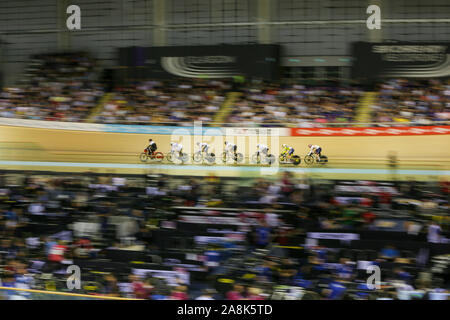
(156, 156)
(238, 158)
(294, 159)
(265, 159)
(312, 158)
(172, 156)
(200, 156)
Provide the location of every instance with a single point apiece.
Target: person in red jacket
(57, 252)
(236, 293)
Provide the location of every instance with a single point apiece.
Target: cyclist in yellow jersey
(287, 151)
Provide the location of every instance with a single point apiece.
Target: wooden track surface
(19, 144)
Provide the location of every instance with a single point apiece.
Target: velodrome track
(424, 157)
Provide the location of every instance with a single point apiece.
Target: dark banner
(222, 61)
(401, 59)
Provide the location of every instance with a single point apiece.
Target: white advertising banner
(333, 236)
(57, 125)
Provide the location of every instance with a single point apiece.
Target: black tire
(323, 159)
(211, 158)
(296, 160)
(309, 160)
(143, 157)
(270, 159)
(239, 157)
(224, 157)
(256, 158)
(197, 157)
(184, 157)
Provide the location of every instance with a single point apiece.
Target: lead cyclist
(316, 150)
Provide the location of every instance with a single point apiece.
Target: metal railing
(8, 293)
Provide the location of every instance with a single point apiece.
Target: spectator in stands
(110, 287)
(434, 232)
(286, 271)
(389, 253)
(254, 294)
(412, 101)
(237, 293)
(179, 293)
(263, 234)
(208, 294)
(61, 88)
(316, 264)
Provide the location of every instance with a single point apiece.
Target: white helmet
(198, 143)
(258, 145)
(284, 145)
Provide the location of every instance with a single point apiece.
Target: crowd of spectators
(165, 102)
(61, 87)
(297, 105)
(66, 87)
(421, 102)
(109, 225)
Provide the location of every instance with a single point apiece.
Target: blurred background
(78, 107)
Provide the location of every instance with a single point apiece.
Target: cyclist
(262, 149)
(176, 147)
(151, 147)
(315, 149)
(203, 147)
(287, 151)
(231, 148)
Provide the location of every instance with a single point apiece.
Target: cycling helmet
(198, 143)
(309, 145)
(226, 142)
(258, 145)
(284, 145)
(150, 140)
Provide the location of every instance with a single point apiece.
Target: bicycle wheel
(256, 158)
(184, 157)
(158, 156)
(224, 157)
(169, 157)
(282, 158)
(197, 157)
(143, 157)
(211, 158)
(323, 160)
(309, 159)
(296, 160)
(239, 157)
(270, 159)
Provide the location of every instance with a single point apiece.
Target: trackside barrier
(31, 294)
(393, 130)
